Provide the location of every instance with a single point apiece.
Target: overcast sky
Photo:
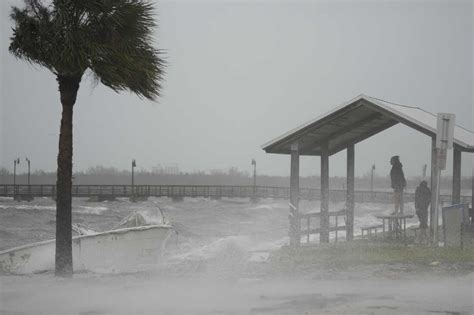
(240, 74)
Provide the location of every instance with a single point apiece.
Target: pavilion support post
(350, 193)
(434, 175)
(324, 221)
(472, 185)
(456, 196)
(295, 222)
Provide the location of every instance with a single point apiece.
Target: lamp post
(254, 196)
(28, 161)
(29, 187)
(134, 164)
(372, 170)
(15, 163)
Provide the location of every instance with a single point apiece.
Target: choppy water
(205, 228)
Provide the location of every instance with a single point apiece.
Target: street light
(372, 180)
(29, 187)
(134, 164)
(254, 163)
(15, 163)
(28, 161)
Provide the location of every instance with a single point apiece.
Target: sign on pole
(444, 141)
(441, 156)
(445, 131)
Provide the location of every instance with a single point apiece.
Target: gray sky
(240, 74)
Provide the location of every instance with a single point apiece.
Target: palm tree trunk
(68, 87)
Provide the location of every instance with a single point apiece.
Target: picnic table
(396, 224)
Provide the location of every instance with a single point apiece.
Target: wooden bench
(371, 230)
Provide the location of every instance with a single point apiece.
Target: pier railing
(208, 191)
(335, 224)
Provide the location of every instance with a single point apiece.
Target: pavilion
(342, 128)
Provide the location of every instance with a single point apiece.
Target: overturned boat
(131, 246)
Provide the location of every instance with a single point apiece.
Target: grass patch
(365, 253)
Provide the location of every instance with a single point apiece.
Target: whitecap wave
(91, 210)
(213, 248)
(153, 216)
(271, 206)
(28, 207)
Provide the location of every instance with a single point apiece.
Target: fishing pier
(178, 192)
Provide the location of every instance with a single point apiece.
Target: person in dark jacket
(422, 202)
(398, 183)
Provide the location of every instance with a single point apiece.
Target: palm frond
(113, 38)
(30, 38)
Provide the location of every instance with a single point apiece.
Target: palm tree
(111, 39)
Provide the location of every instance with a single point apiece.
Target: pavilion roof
(357, 120)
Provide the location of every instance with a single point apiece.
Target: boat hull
(123, 250)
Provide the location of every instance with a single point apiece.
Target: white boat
(125, 249)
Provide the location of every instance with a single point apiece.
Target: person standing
(398, 183)
(422, 201)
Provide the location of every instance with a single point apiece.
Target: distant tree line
(100, 175)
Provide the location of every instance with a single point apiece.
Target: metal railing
(332, 226)
(208, 191)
